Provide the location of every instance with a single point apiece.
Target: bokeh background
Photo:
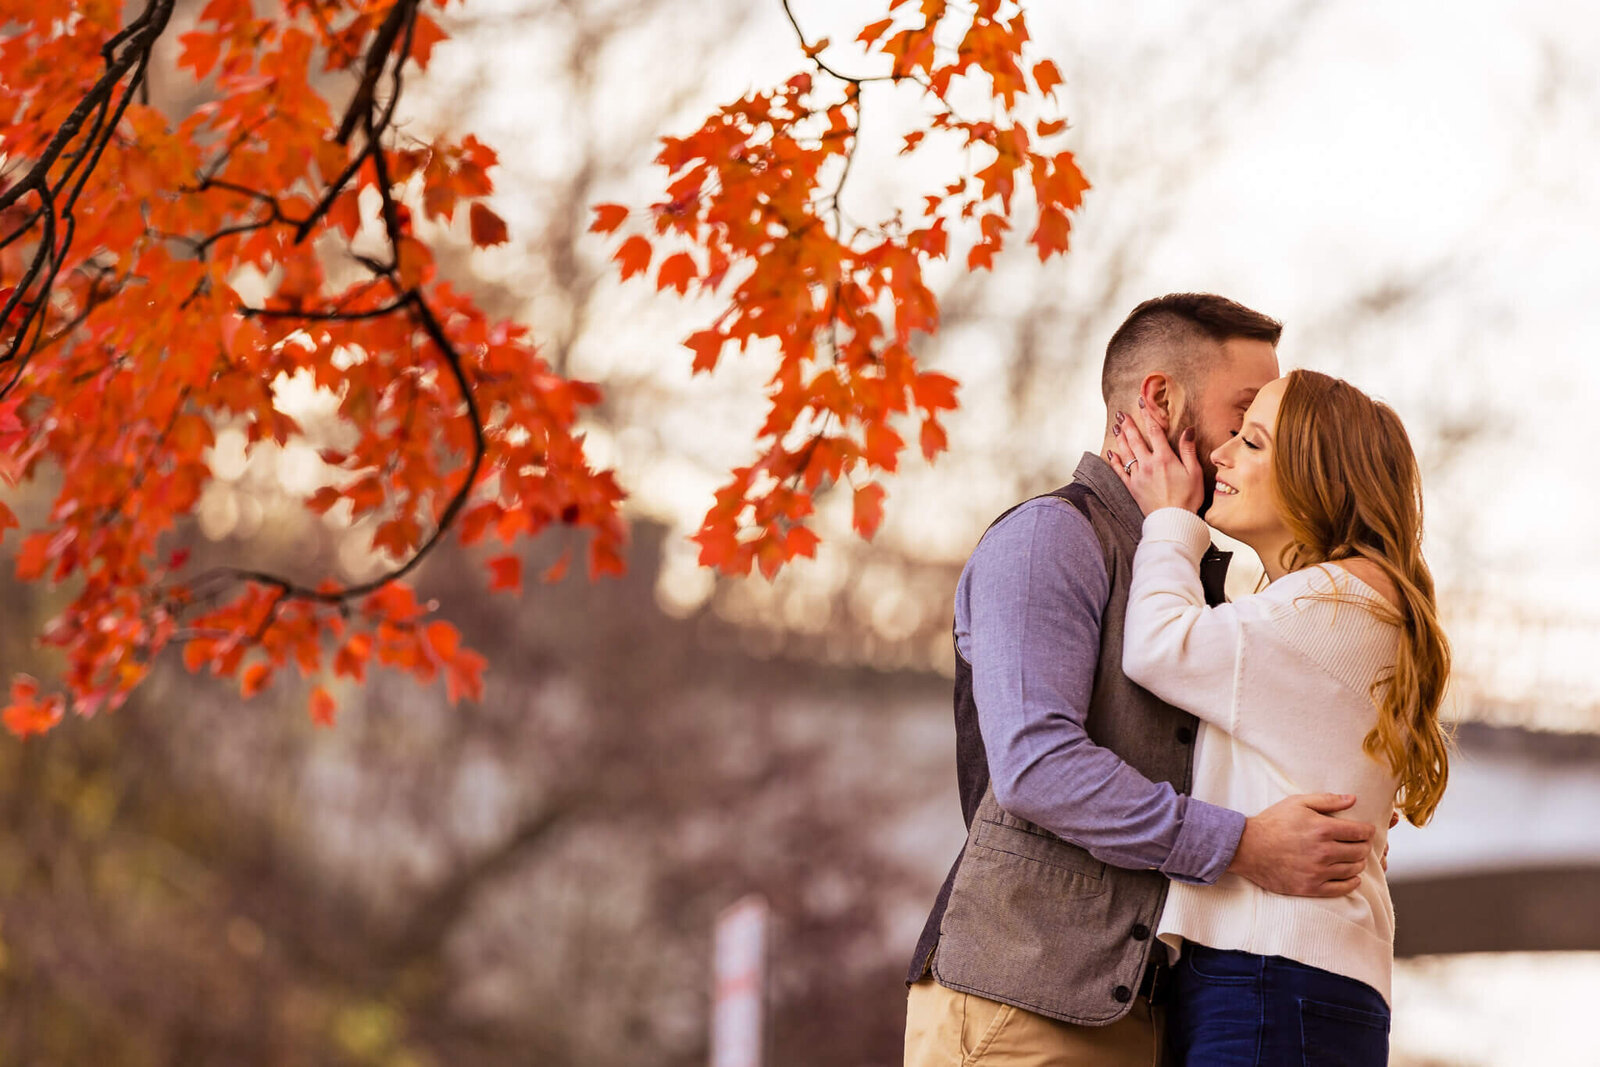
(533, 879)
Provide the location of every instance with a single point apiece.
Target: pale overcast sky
(1310, 159)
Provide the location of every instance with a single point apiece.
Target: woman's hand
(1155, 475)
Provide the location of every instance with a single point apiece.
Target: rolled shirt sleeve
(1028, 617)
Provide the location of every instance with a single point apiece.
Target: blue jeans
(1235, 1009)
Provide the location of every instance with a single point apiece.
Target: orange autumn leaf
(933, 391)
(197, 653)
(425, 35)
(1052, 233)
(322, 707)
(883, 446)
(200, 52)
(464, 677)
(706, 346)
(932, 439)
(350, 661)
(254, 680)
(634, 256)
(507, 574)
(487, 228)
(801, 541)
(323, 500)
(444, 639)
(676, 271)
(608, 217)
(25, 713)
(815, 48)
(872, 31)
(32, 717)
(867, 509)
(1046, 77)
(415, 262)
(34, 557)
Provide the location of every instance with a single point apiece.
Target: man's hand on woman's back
(1299, 847)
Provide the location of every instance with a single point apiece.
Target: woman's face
(1245, 504)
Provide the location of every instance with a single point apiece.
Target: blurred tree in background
(527, 879)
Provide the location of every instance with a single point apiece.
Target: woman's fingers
(1157, 474)
(1156, 433)
(1138, 447)
(1340, 872)
(1120, 465)
(1189, 452)
(1187, 455)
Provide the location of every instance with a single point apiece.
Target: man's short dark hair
(1170, 333)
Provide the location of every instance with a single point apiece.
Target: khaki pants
(949, 1029)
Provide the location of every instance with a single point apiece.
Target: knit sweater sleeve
(1173, 644)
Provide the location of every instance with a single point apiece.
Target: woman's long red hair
(1348, 481)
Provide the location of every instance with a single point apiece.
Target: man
(1040, 947)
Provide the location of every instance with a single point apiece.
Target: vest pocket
(1037, 846)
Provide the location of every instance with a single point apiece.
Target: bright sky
(1446, 147)
(1303, 158)
(1308, 159)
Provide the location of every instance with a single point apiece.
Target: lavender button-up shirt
(1028, 616)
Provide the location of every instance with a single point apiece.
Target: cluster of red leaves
(752, 208)
(140, 340)
(132, 245)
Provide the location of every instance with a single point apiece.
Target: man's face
(1224, 395)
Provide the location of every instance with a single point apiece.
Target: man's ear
(1163, 398)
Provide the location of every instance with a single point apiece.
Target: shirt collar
(1097, 474)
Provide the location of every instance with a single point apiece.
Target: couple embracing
(1177, 806)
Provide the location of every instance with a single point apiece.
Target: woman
(1327, 680)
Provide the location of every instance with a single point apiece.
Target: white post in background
(738, 1001)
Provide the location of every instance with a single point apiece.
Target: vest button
(1122, 994)
(1185, 734)
(1141, 932)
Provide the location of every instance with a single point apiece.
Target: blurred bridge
(1511, 861)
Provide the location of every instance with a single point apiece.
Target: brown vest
(1024, 917)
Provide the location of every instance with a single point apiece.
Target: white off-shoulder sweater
(1281, 681)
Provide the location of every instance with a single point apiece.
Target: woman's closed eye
(1247, 443)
